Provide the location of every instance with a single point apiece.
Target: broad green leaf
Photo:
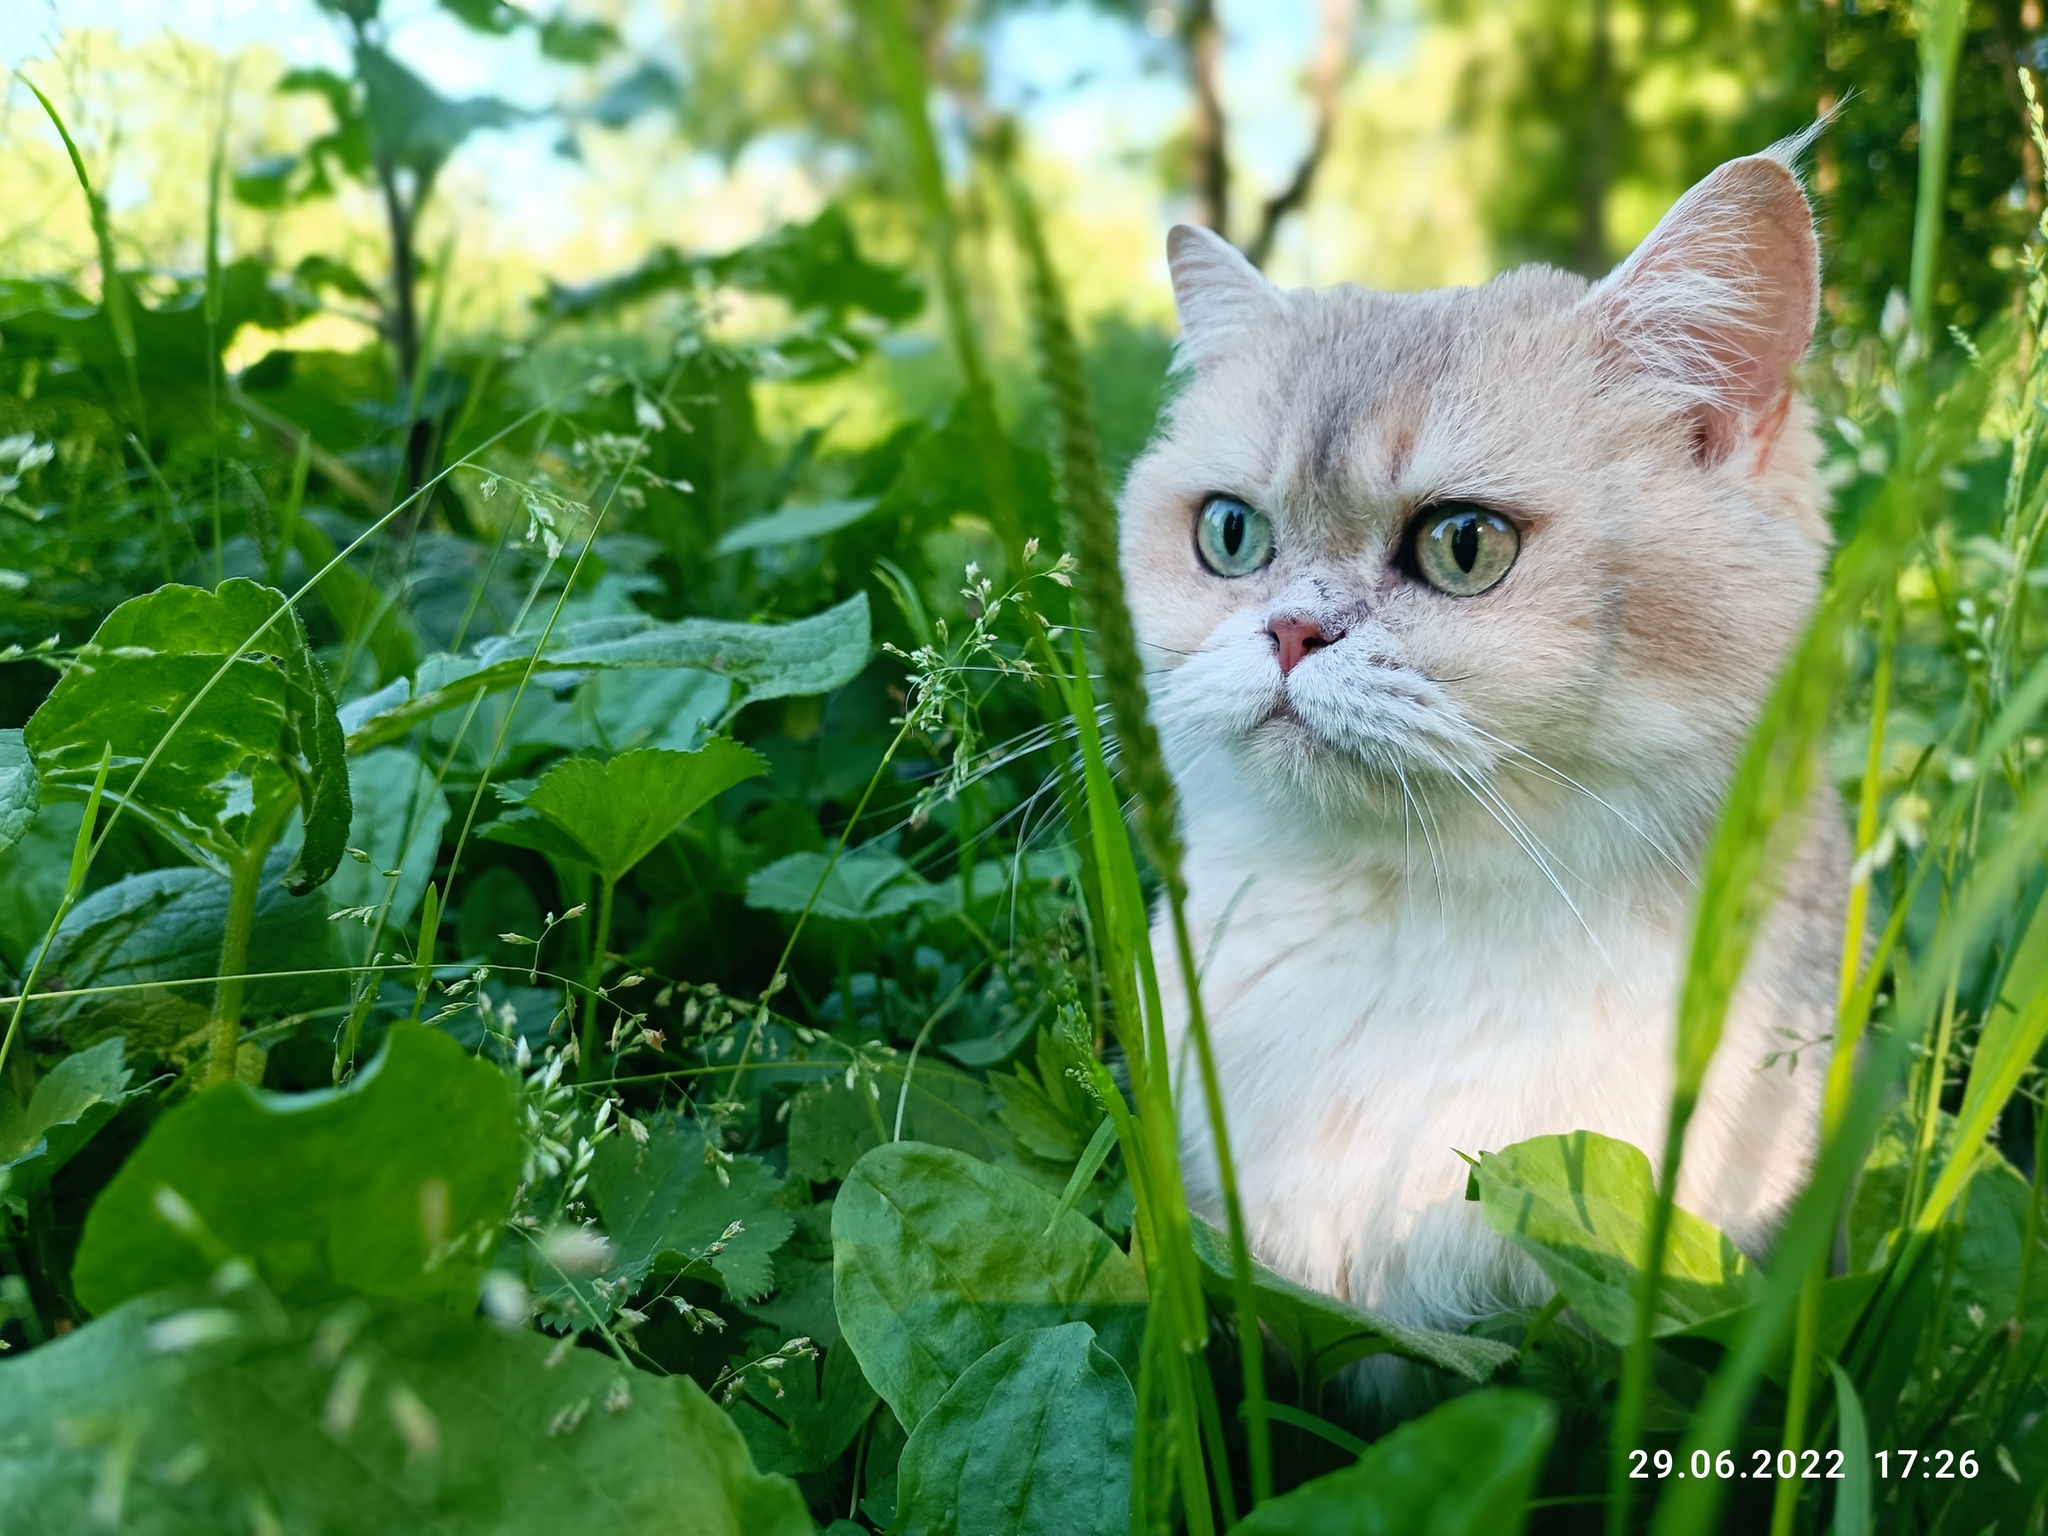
(765, 661)
(399, 816)
(1465, 1469)
(32, 878)
(1324, 1334)
(395, 1185)
(1580, 1206)
(166, 926)
(821, 1408)
(938, 1257)
(1034, 1439)
(264, 733)
(77, 1096)
(18, 798)
(654, 709)
(793, 523)
(670, 1203)
(831, 1125)
(187, 1416)
(616, 813)
(859, 887)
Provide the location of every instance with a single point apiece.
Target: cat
(1458, 607)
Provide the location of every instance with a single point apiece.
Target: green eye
(1462, 549)
(1233, 538)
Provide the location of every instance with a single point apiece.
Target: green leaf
(1047, 1110)
(667, 1201)
(265, 732)
(938, 1257)
(1324, 1334)
(395, 1185)
(166, 926)
(399, 816)
(32, 877)
(831, 1126)
(1465, 1469)
(616, 813)
(814, 1420)
(1034, 1439)
(18, 798)
(1852, 1502)
(78, 1096)
(859, 887)
(186, 1417)
(766, 661)
(1580, 1206)
(794, 523)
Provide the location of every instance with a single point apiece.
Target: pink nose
(1298, 636)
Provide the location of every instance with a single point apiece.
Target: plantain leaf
(1464, 1470)
(1324, 1334)
(766, 661)
(857, 887)
(187, 1416)
(18, 795)
(938, 1257)
(262, 728)
(1034, 1439)
(164, 926)
(398, 819)
(614, 814)
(1580, 1206)
(395, 1185)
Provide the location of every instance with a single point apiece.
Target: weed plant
(568, 960)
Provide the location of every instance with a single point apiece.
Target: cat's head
(1476, 542)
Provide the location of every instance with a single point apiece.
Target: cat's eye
(1461, 549)
(1233, 538)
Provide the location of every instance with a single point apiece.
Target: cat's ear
(1720, 301)
(1221, 296)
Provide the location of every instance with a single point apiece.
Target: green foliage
(183, 1414)
(611, 815)
(1033, 1439)
(1463, 1470)
(1324, 1334)
(18, 791)
(80, 1095)
(938, 1258)
(393, 1186)
(1580, 1206)
(219, 720)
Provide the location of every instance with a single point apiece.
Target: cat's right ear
(1222, 298)
(1720, 301)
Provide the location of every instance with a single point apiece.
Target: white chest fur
(1362, 1034)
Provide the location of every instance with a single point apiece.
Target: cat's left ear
(1720, 301)
(1223, 299)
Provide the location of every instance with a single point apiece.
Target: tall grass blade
(1092, 525)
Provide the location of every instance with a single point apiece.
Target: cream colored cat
(1462, 604)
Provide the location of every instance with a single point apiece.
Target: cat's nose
(1298, 636)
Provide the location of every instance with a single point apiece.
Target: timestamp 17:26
(1812, 1463)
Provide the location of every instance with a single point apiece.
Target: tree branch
(1326, 71)
(1209, 138)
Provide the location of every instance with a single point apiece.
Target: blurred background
(1393, 143)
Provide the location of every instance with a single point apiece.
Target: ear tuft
(1221, 296)
(1720, 302)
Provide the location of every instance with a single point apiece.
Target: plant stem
(245, 883)
(607, 885)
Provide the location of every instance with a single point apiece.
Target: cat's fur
(1443, 872)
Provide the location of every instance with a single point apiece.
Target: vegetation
(572, 940)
